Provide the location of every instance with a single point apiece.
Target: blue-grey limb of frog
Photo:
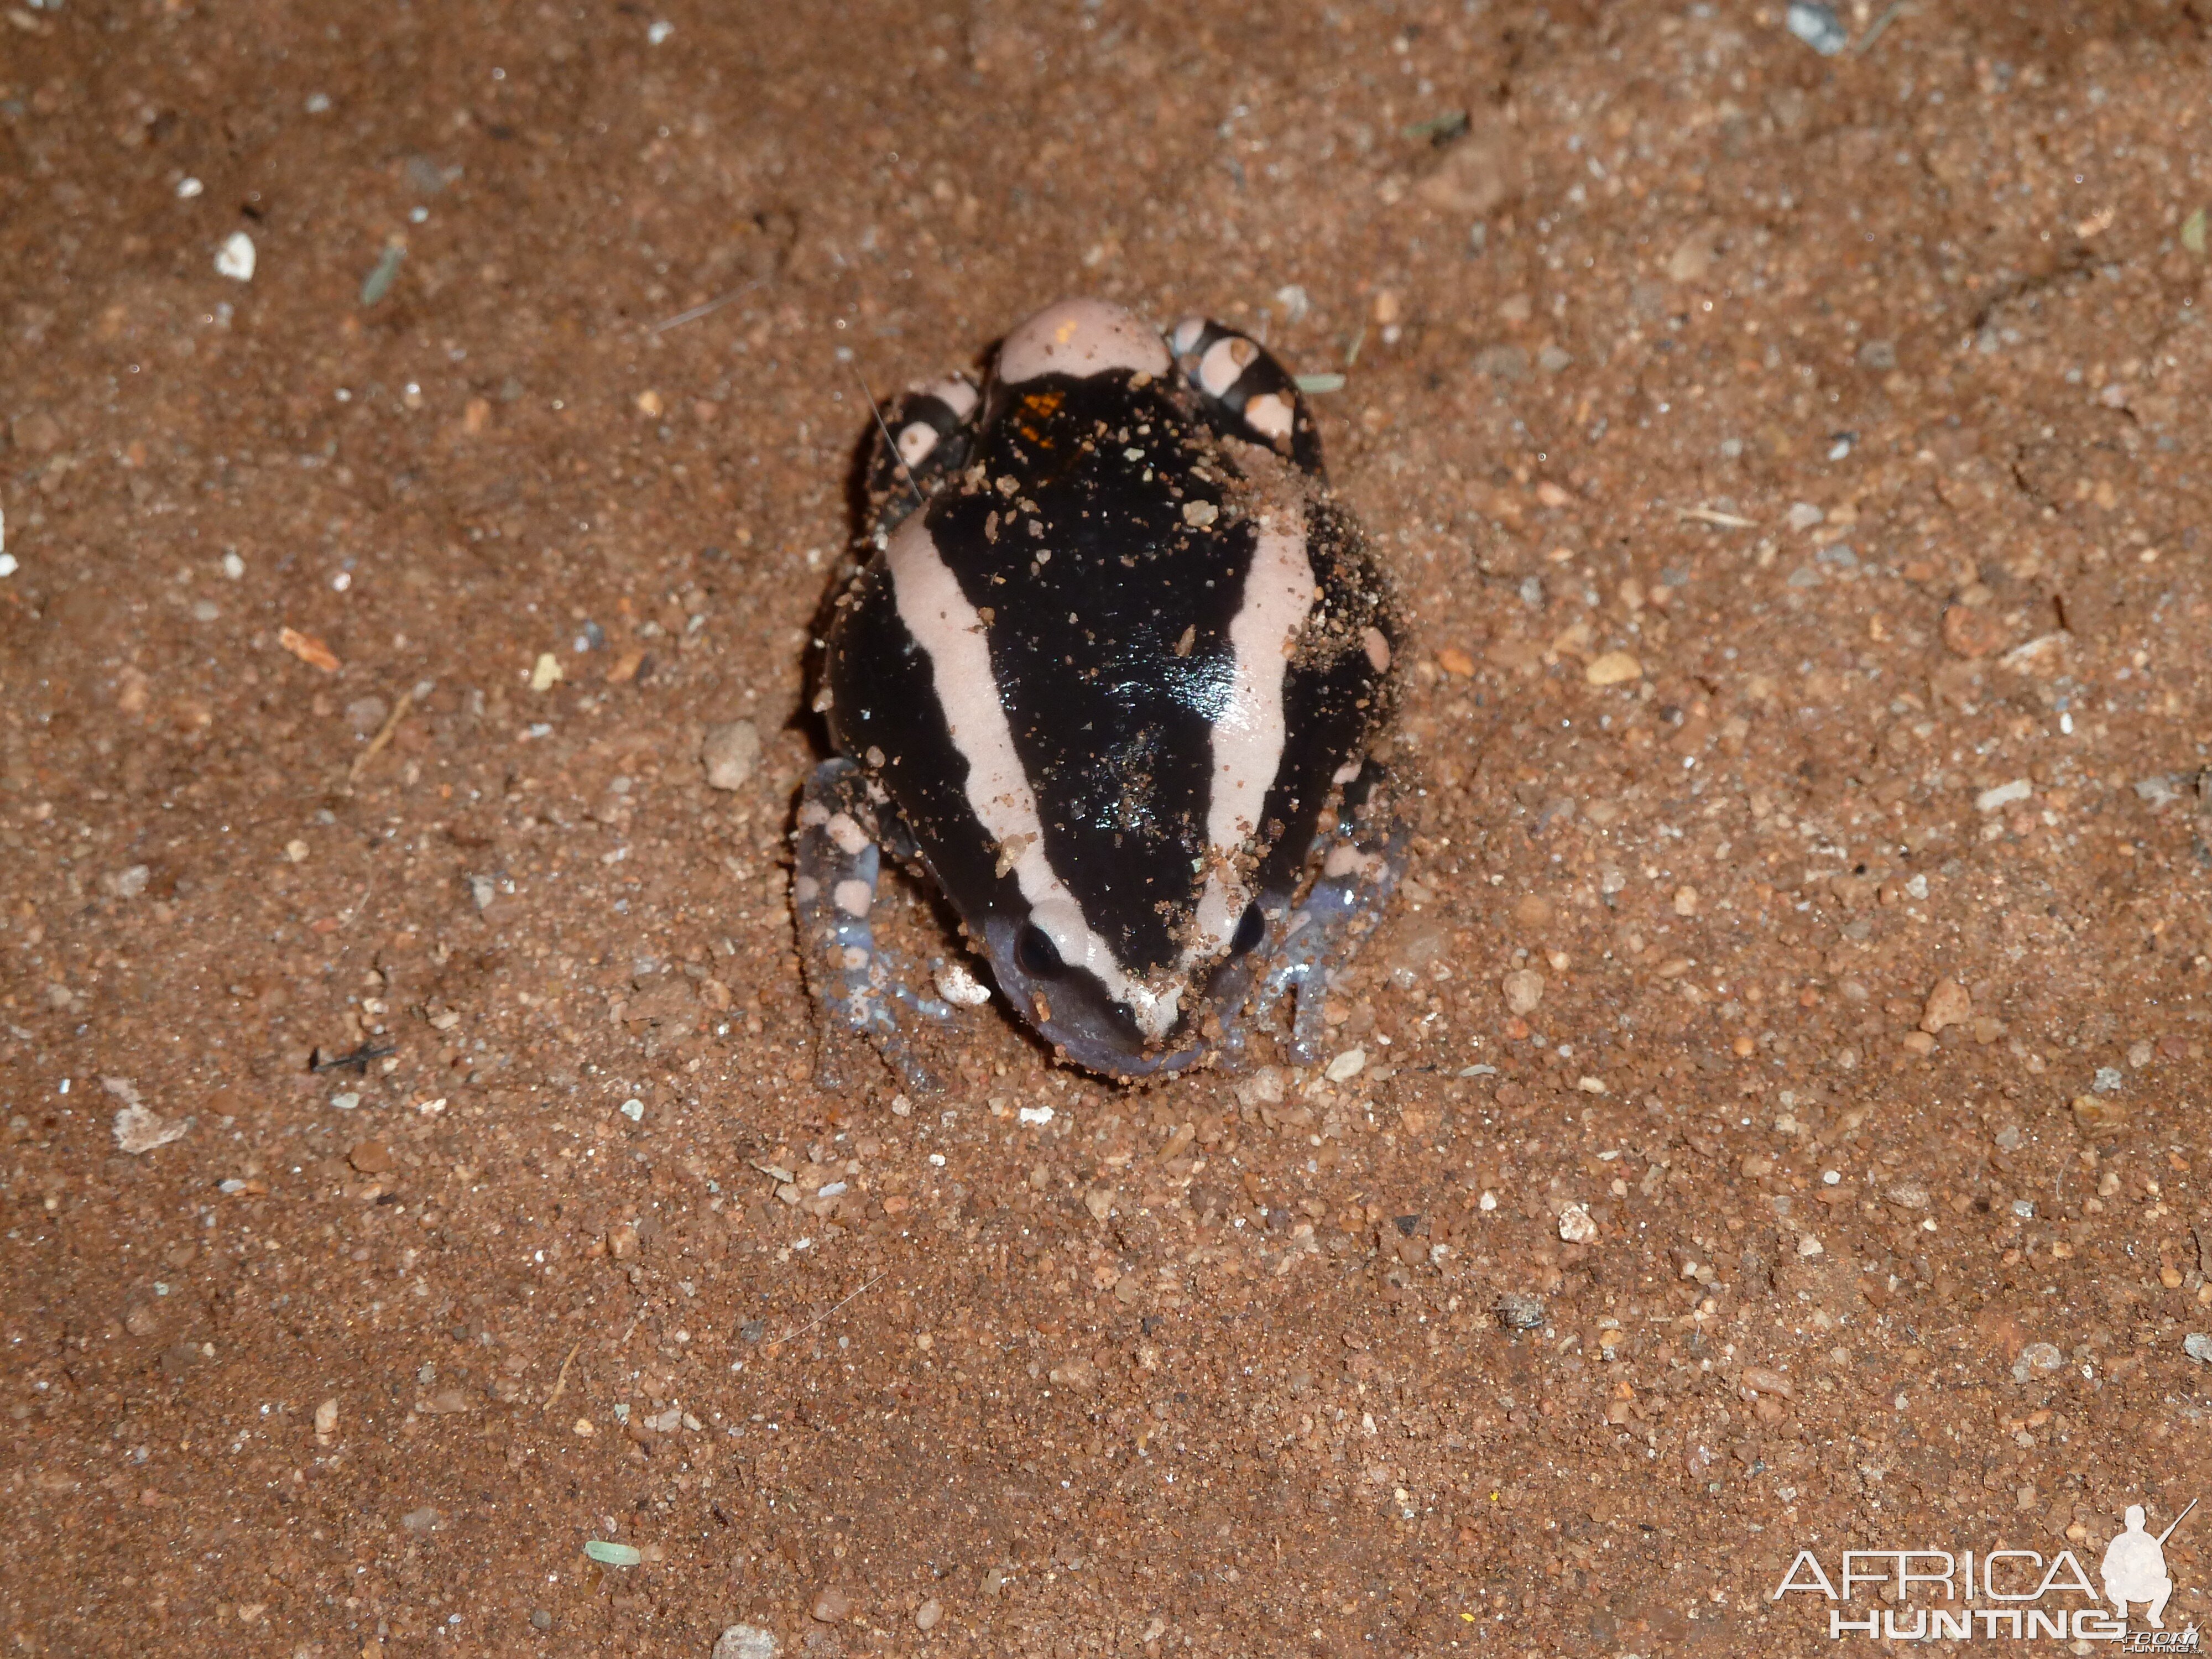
(843, 835)
(1360, 863)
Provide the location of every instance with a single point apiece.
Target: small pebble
(370, 1156)
(730, 753)
(1038, 1115)
(235, 258)
(345, 1103)
(2098, 1114)
(927, 1615)
(2198, 1347)
(1348, 1065)
(633, 1109)
(2036, 1358)
(2109, 1080)
(546, 673)
(1614, 668)
(1517, 1310)
(1947, 1005)
(833, 1602)
(746, 1641)
(1576, 1225)
(2003, 795)
(1809, 1246)
(540, 1618)
(1524, 989)
(960, 987)
(365, 714)
(1815, 23)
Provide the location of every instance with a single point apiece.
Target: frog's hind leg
(925, 438)
(1253, 396)
(1361, 861)
(840, 844)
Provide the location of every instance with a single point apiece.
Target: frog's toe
(1255, 394)
(839, 865)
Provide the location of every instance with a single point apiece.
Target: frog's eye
(1035, 953)
(1251, 929)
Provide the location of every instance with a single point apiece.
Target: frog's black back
(1106, 564)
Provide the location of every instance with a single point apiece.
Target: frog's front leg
(1361, 861)
(925, 438)
(1246, 389)
(840, 842)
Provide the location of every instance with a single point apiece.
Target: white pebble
(234, 258)
(2003, 795)
(633, 1108)
(1037, 1114)
(1348, 1065)
(957, 985)
(188, 188)
(233, 566)
(746, 1641)
(1576, 1225)
(659, 32)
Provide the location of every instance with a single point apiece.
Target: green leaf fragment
(2192, 232)
(378, 283)
(1313, 384)
(613, 1555)
(1440, 129)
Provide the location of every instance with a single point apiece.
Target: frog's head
(1065, 980)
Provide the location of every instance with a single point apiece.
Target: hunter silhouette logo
(2134, 1566)
(2001, 1595)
